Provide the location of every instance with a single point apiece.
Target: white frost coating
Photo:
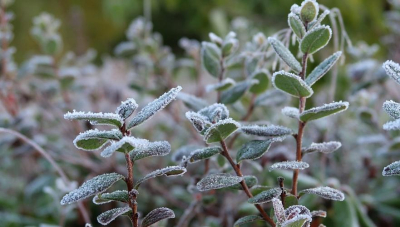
(302, 218)
(393, 70)
(326, 108)
(157, 215)
(110, 215)
(315, 3)
(133, 142)
(91, 187)
(265, 196)
(126, 108)
(158, 148)
(167, 171)
(297, 213)
(289, 165)
(316, 28)
(285, 54)
(184, 151)
(119, 195)
(392, 169)
(210, 112)
(318, 213)
(322, 68)
(325, 147)
(392, 125)
(214, 127)
(270, 130)
(217, 181)
(96, 118)
(224, 83)
(325, 192)
(319, 20)
(392, 108)
(290, 112)
(197, 120)
(302, 83)
(279, 210)
(192, 101)
(150, 109)
(114, 134)
(215, 39)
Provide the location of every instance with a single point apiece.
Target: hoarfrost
(217, 181)
(289, 165)
(110, 215)
(325, 192)
(157, 215)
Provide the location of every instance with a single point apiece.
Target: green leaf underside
(157, 215)
(253, 150)
(323, 111)
(265, 196)
(220, 130)
(167, 171)
(120, 195)
(210, 62)
(392, 69)
(285, 54)
(235, 92)
(95, 139)
(322, 68)
(217, 181)
(247, 219)
(315, 39)
(291, 84)
(110, 215)
(296, 222)
(204, 153)
(296, 25)
(249, 180)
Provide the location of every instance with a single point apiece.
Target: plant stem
(132, 197)
(238, 172)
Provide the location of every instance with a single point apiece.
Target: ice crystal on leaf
(289, 165)
(283, 52)
(247, 219)
(157, 215)
(126, 108)
(217, 181)
(254, 149)
(392, 169)
(216, 110)
(393, 70)
(392, 125)
(223, 85)
(291, 84)
(96, 118)
(110, 215)
(267, 131)
(318, 213)
(184, 151)
(279, 210)
(291, 112)
(316, 39)
(95, 139)
(158, 148)
(125, 145)
(325, 192)
(221, 130)
(323, 111)
(265, 196)
(167, 171)
(203, 153)
(325, 147)
(392, 108)
(322, 68)
(198, 121)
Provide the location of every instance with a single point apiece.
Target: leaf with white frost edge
(392, 169)
(203, 153)
(325, 192)
(296, 25)
(198, 121)
(323, 111)
(223, 85)
(392, 125)
(322, 68)
(278, 210)
(298, 221)
(292, 165)
(297, 212)
(184, 151)
(220, 130)
(265, 196)
(235, 92)
(325, 147)
(250, 181)
(291, 112)
(393, 70)
(319, 20)
(267, 131)
(263, 81)
(96, 118)
(126, 108)
(315, 39)
(247, 219)
(95, 139)
(215, 112)
(291, 84)
(217, 181)
(125, 145)
(285, 54)
(392, 108)
(253, 150)
(191, 101)
(157, 215)
(309, 10)
(91, 187)
(153, 107)
(210, 58)
(167, 171)
(119, 195)
(110, 215)
(158, 148)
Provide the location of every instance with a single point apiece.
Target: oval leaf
(184, 151)
(235, 93)
(291, 112)
(265, 196)
(125, 145)
(278, 210)
(392, 169)
(157, 215)
(167, 171)
(210, 55)
(392, 108)
(291, 84)
(267, 131)
(315, 39)
(253, 150)
(393, 70)
(110, 215)
(309, 11)
(120, 195)
(285, 54)
(158, 148)
(323, 111)
(263, 82)
(204, 153)
(392, 125)
(289, 165)
(217, 181)
(325, 192)
(223, 85)
(126, 108)
(220, 130)
(296, 25)
(96, 118)
(247, 219)
(95, 139)
(322, 68)
(325, 147)
(249, 180)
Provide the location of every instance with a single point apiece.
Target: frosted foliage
(158, 148)
(198, 120)
(318, 213)
(167, 171)
(326, 193)
(228, 82)
(392, 125)
(279, 210)
(91, 187)
(210, 112)
(289, 165)
(110, 215)
(126, 108)
(291, 84)
(220, 130)
(392, 169)
(392, 108)
(284, 53)
(268, 131)
(203, 153)
(297, 216)
(322, 68)
(291, 112)
(217, 181)
(96, 118)
(325, 147)
(265, 196)
(126, 144)
(192, 101)
(150, 109)
(247, 219)
(393, 70)
(184, 151)
(157, 215)
(119, 195)
(95, 139)
(325, 110)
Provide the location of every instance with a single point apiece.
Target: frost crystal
(184, 151)
(198, 120)
(110, 215)
(126, 108)
(221, 130)
(157, 215)
(119, 195)
(255, 149)
(158, 148)
(392, 169)
(279, 210)
(91, 187)
(96, 118)
(291, 112)
(265, 196)
(392, 125)
(267, 131)
(215, 110)
(125, 145)
(393, 70)
(192, 101)
(150, 109)
(297, 214)
(325, 147)
(217, 181)
(392, 108)
(95, 139)
(325, 192)
(323, 111)
(322, 68)
(289, 165)
(167, 171)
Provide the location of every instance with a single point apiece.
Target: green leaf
(167, 171)
(250, 65)
(120, 195)
(267, 131)
(125, 145)
(235, 92)
(290, 200)
(204, 153)
(95, 139)
(315, 39)
(392, 108)
(110, 215)
(210, 55)
(126, 108)
(309, 11)
(157, 215)
(220, 130)
(322, 68)
(392, 169)
(217, 181)
(263, 82)
(292, 165)
(215, 112)
(184, 151)
(325, 147)
(285, 54)
(158, 148)
(323, 111)
(296, 25)
(249, 180)
(223, 85)
(96, 118)
(247, 219)
(393, 70)
(291, 84)
(265, 196)
(324, 192)
(253, 150)
(91, 187)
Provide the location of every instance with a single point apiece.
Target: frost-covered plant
(134, 149)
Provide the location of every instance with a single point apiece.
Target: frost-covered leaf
(392, 108)
(91, 187)
(210, 55)
(392, 169)
(291, 84)
(291, 112)
(309, 11)
(392, 125)
(325, 147)
(285, 54)
(323, 111)
(184, 151)
(96, 118)
(158, 148)
(191, 101)
(289, 165)
(322, 68)
(223, 85)
(297, 216)
(235, 92)
(298, 221)
(265, 196)
(253, 150)
(203, 153)
(150, 109)
(125, 145)
(319, 20)
(247, 219)
(95, 139)
(249, 180)
(318, 213)
(157, 215)
(110, 215)
(217, 181)
(215, 112)
(325, 192)
(167, 171)
(126, 108)
(296, 25)
(278, 210)
(220, 130)
(263, 81)
(198, 121)
(267, 131)
(393, 70)
(315, 39)
(120, 195)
